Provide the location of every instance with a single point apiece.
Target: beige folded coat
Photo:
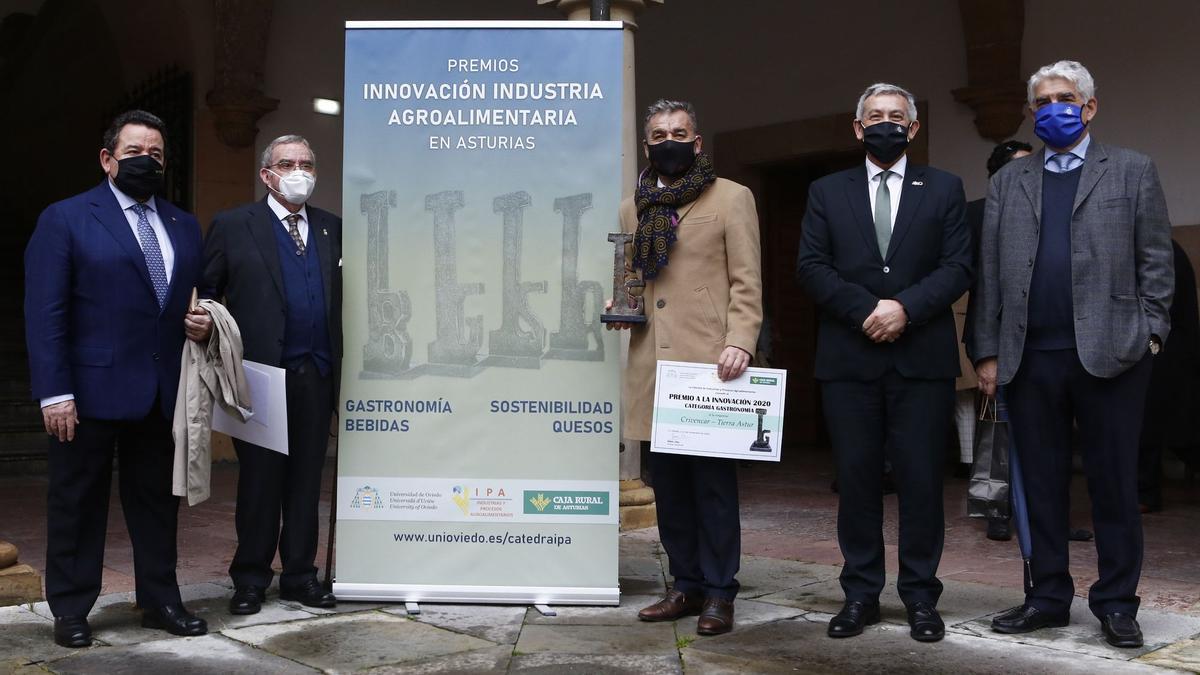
(208, 371)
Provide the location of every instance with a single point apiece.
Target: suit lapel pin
(918, 183)
(325, 232)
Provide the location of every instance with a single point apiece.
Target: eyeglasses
(288, 165)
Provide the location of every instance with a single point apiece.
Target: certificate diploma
(695, 413)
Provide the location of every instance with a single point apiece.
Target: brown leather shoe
(674, 605)
(716, 618)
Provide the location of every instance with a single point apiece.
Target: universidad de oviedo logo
(574, 503)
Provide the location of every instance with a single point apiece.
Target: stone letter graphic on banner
(479, 409)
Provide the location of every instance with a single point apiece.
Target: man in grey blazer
(1075, 282)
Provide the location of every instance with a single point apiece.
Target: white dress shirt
(895, 184)
(281, 212)
(160, 232)
(164, 246)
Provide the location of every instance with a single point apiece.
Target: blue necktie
(154, 258)
(1064, 161)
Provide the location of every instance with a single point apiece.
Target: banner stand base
(411, 594)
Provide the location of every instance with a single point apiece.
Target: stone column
(237, 99)
(226, 127)
(637, 500)
(19, 584)
(992, 33)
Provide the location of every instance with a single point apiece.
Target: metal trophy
(627, 305)
(762, 443)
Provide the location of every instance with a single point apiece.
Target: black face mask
(886, 141)
(139, 177)
(672, 158)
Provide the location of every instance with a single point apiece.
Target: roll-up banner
(479, 406)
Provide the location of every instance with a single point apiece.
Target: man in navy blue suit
(109, 275)
(885, 253)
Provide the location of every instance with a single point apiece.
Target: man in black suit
(885, 252)
(108, 276)
(277, 263)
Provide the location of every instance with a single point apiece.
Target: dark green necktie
(883, 214)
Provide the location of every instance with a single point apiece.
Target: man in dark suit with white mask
(277, 264)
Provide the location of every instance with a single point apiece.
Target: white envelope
(268, 399)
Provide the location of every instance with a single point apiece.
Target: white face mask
(296, 187)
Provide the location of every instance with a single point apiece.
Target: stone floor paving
(356, 641)
(180, 656)
(800, 646)
(780, 628)
(789, 589)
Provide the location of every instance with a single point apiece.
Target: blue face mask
(1059, 124)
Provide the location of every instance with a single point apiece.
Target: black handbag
(988, 492)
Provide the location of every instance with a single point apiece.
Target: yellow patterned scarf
(657, 212)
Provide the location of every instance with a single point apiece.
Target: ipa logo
(461, 498)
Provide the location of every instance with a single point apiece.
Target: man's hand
(197, 324)
(60, 420)
(616, 325)
(887, 322)
(732, 364)
(985, 370)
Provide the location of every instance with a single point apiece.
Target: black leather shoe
(310, 593)
(1121, 630)
(175, 619)
(1026, 619)
(247, 600)
(926, 623)
(854, 615)
(72, 632)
